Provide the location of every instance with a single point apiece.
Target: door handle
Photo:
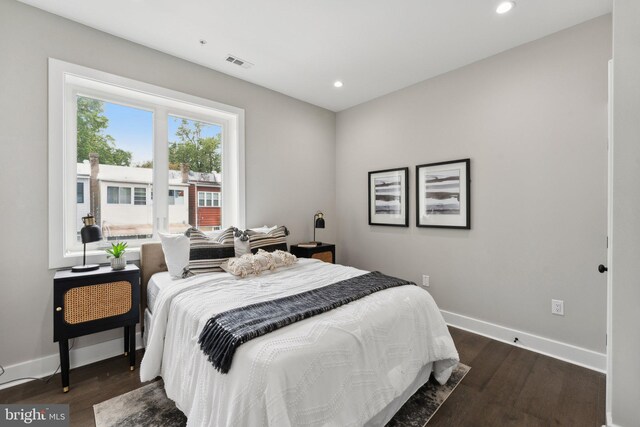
(602, 268)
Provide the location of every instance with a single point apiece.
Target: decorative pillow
(249, 241)
(256, 263)
(264, 229)
(282, 258)
(206, 254)
(241, 266)
(176, 253)
(214, 234)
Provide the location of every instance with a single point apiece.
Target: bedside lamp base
(83, 268)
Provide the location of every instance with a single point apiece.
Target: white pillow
(241, 243)
(176, 253)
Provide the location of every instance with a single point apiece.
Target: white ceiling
(300, 47)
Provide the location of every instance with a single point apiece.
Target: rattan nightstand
(95, 301)
(324, 252)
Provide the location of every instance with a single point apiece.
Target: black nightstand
(95, 301)
(325, 252)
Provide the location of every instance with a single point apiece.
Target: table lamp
(89, 233)
(318, 222)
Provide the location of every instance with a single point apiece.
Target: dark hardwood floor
(510, 386)
(507, 386)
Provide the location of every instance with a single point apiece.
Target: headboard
(151, 262)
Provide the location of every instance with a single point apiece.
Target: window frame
(211, 193)
(175, 190)
(120, 194)
(66, 82)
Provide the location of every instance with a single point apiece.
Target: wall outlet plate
(425, 280)
(557, 307)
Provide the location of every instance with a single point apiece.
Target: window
(145, 136)
(118, 195)
(195, 157)
(140, 196)
(208, 199)
(80, 192)
(202, 199)
(176, 197)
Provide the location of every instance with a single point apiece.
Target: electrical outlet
(425, 280)
(557, 307)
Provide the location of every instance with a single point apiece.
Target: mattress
(157, 282)
(352, 366)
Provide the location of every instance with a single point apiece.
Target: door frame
(609, 339)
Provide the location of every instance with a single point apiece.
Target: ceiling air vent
(237, 61)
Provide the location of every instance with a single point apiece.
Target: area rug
(149, 406)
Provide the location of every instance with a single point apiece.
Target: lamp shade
(319, 221)
(90, 232)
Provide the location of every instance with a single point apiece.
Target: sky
(132, 130)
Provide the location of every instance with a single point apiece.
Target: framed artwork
(389, 197)
(443, 196)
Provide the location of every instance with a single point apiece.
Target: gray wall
(533, 120)
(625, 266)
(290, 154)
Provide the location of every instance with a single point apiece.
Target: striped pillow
(206, 254)
(250, 241)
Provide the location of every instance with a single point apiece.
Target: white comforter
(339, 368)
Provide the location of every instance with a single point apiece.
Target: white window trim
(65, 80)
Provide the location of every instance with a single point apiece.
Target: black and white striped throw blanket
(225, 332)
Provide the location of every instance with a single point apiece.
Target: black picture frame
(447, 214)
(392, 219)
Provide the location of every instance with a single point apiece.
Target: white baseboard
(44, 366)
(569, 353)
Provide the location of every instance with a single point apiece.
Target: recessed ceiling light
(203, 42)
(337, 83)
(505, 7)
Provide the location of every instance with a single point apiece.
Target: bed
(352, 366)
